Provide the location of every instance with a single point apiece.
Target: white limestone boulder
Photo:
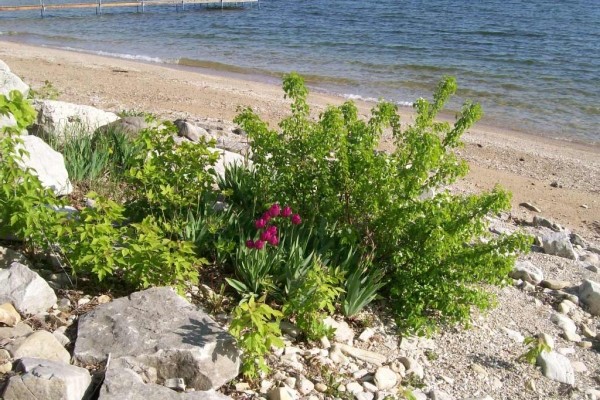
(25, 289)
(47, 164)
(60, 118)
(9, 82)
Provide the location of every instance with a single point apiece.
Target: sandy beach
(561, 178)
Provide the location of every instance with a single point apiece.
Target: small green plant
(431, 355)
(48, 91)
(256, 327)
(537, 345)
(313, 298)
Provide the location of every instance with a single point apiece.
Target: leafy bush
(97, 240)
(27, 209)
(256, 327)
(428, 250)
(168, 179)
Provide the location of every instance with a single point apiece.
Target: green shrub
(256, 327)
(429, 251)
(27, 209)
(168, 179)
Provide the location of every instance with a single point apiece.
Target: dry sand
(525, 164)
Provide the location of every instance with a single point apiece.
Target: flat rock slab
(47, 380)
(25, 289)
(159, 333)
(557, 367)
(39, 344)
(122, 383)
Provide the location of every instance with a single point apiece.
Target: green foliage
(432, 252)
(256, 327)
(168, 179)
(152, 259)
(48, 91)
(27, 209)
(537, 345)
(19, 107)
(97, 240)
(362, 286)
(102, 155)
(313, 299)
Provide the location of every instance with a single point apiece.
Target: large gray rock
(192, 132)
(25, 289)
(40, 344)
(132, 126)
(557, 367)
(558, 244)
(156, 331)
(10, 82)
(589, 294)
(528, 272)
(124, 384)
(47, 164)
(48, 380)
(59, 118)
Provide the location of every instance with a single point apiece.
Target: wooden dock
(140, 5)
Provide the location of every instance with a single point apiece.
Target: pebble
(321, 387)
(354, 388)
(5, 367)
(385, 378)
(584, 344)
(103, 299)
(366, 335)
(305, 386)
(554, 284)
(241, 386)
(83, 301)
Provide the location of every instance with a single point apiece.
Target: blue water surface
(534, 65)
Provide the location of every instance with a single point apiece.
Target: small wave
(375, 100)
(137, 57)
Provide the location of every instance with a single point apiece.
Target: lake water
(534, 65)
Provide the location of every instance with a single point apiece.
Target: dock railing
(140, 5)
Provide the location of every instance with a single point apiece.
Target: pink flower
(260, 223)
(296, 220)
(249, 244)
(275, 210)
(274, 240)
(266, 216)
(287, 211)
(259, 244)
(272, 230)
(266, 236)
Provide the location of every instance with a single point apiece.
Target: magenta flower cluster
(268, 231)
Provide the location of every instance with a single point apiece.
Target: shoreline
(524, 163)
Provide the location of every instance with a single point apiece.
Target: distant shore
(561, 178)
